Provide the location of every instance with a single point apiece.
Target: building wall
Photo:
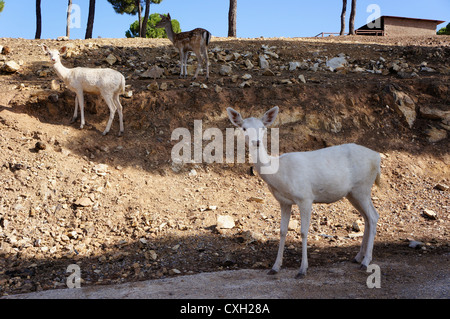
(406, 27)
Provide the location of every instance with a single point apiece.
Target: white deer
(196, 40)
(108, 83)
(322, 176)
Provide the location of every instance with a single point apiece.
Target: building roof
(419, 19)
(365, 27)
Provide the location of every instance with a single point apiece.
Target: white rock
(248, 64)
(263, 64)
(225, 222)
(246, 76)
(336, 63)
(154, 72)
(225, 70)
(293, 66)
(301, 77)
(293, 225)
(100, 169)
(429, 214)
(111, 59)
(11, 67)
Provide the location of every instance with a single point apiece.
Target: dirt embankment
(123, 211)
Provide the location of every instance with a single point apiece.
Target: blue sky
(255, 18)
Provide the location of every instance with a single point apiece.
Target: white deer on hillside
(108, 83)
(322, 176)
(196, 40)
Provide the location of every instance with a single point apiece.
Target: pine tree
(352, 18)
(38, 20)
(69, 10)
(232, 18)
(91, 16)
(343, 13)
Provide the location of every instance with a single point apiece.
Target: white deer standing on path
(196, 40)
(322, 176)
(108, 83)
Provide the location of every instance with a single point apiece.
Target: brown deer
(196, 40)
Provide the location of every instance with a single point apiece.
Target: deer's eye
(244, 129)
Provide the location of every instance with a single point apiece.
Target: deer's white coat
(108, 83)
(322, 176)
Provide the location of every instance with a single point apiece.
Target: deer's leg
(112, 111)
(186, 57)
(285, 216)
(305, 215)
(182, 53)
(199, 63)
(120, 111)
(80, 98)
(205, 51)
(363, 203)
(75, 113)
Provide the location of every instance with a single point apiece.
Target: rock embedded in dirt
(358, 226)
(402, 103)
(11, 67)
(442, 187)
(111, 59)
(430, 214)
(435, 135)
(225, 222)
(293, 225)
(263, 63)
(84, 202)
(302, 79)
(39, 146)
(415, 244)
(225, 70)
(336, 63)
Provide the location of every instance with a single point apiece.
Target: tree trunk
(232, 18)
(38, 20)
(138, 5)
(343, 13)
(352, 18)
(69, 11)
(144, 22)
(90, 23)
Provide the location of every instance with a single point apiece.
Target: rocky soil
(123, 211)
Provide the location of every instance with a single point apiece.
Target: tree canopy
(152, 32)
(2, 5)
(444, 30)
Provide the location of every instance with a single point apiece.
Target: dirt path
(416, 279)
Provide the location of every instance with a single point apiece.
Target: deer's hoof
(272, 272)
(300, 275)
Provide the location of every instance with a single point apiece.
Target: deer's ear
(63, 50)
(45, 49)
(235, 117)
(168, 15)
(270, 116)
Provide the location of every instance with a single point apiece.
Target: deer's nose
(256, 143)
